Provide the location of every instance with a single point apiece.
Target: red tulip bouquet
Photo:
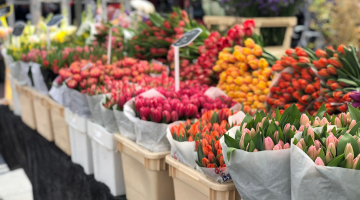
(258, 151)
(325, 156)
(122, 92)
(296, 81)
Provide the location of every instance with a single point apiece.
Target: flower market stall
(162, 108)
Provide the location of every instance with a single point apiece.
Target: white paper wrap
(78, 103)
(38, 79)
(221, 174)
(57, 91)
(125, 126)
(94, 106)
(66, 98)
(23, 77)
(182, 151)
(108, 116)
(150, 135)
(262, 175)
(309, 181)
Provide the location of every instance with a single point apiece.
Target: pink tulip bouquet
(326, 156)
(258, 151)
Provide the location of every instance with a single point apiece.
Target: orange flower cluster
(297, 85)
(245, 76)
(338, 69)
(206, 132)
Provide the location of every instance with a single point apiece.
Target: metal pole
(78, 12)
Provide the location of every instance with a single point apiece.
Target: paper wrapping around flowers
(261, 175)
(38, 79)
(125, 126)
(78, 103)
(66, 97)
(57, 91)
(108, 116)
(94, 106)
(23, 77)
(221, 174)
(182, 151)
(149, 135)
(309, 181)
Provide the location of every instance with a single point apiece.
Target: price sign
(5, 11)
(55, 20)
(185, 40)
(18, 29)
(188, 37)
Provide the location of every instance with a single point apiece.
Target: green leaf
(309, 141)
(247, 139)
(281, 135)
(329, 52)
(354, 113)
(355, 129)
(238, 135)
(258, 119)
(251, 146)
(293, 112)
(200, 153)
(278, 115)
(247, 119)
(295, 141)
(229, 151)
(322, 154)
(231, 142)
(321, 111)
(214, 118)
(358, 166)
(334, 162)
(347, 138)
(257, 140)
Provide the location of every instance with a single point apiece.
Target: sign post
(5, 11)
(18, 31)
(185, 40)
(55, 20)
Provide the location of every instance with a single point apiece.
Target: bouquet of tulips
(244, 74)
(201, 137)
(296, 81)
(258, 152)
(340, 70)
(324, 156)
(184, 135)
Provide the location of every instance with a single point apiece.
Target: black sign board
(55, 20)
(5, 10)
(18, 29)
(188, 37)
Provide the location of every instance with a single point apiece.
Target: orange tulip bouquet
(295, 82)
(201, 138)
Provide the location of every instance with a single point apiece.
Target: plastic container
(81, 152)
(146, 173)
(42, 115)
(60, 127)
(107, 161)
(192, 184)
(14, 95)
(26, 99)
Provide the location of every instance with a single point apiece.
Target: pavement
(14, 185)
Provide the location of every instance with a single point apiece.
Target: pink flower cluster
(172, 109)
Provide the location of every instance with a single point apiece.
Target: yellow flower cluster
(245, 76)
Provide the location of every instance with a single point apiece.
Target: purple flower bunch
(264, 8)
